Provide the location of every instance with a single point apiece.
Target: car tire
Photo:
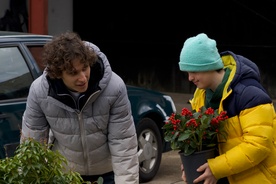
(149, 149)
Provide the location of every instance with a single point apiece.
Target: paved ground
(169, 171)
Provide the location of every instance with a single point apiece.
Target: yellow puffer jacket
(248, 156)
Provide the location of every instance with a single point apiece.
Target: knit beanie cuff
(195, 67)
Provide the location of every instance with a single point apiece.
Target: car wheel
(149, 149)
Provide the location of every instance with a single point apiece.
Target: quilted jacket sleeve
(34, 123)
(122, 139)
(248, 144)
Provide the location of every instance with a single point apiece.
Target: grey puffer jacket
(95, 134)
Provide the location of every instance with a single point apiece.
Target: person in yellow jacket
(231, 82)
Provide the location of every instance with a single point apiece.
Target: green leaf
(183, 136)
(34, 163)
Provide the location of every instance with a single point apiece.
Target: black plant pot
(194, 161)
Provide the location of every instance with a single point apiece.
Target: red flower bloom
(193, 131)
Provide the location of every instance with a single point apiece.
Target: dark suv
(20, 64)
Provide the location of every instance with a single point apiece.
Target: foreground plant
(35, 163)
(193, 131)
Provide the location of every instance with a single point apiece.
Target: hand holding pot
(207, 175)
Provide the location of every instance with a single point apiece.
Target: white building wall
(4, 5)
(60, 16)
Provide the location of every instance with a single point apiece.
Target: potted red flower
(193, 131)
(194, 134)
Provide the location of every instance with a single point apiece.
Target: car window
(15, 78)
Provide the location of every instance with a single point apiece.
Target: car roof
(8, 35)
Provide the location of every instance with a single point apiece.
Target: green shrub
(35, 163)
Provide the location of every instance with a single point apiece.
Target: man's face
(77, 80)
(203, 80)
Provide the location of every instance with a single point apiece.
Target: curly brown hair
(62, 50)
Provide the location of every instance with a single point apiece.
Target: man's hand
(207, 175)
(183, 174)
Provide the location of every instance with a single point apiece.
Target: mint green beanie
(200, 54)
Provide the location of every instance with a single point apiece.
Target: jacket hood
(102, 66)
(245, 68)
